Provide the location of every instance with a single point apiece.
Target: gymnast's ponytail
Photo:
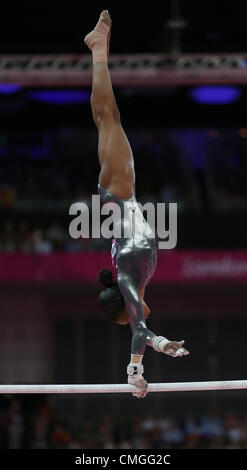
(110, 299)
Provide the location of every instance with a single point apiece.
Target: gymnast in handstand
(134, 256)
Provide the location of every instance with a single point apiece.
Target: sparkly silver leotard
(135, 253)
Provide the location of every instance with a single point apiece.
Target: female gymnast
(135, 256)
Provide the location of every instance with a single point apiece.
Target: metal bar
(125, 388)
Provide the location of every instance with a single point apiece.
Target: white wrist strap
(134, 369)
(159, 343)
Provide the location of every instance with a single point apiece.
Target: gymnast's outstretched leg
(115, 154)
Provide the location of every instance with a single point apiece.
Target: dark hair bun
(106, 278)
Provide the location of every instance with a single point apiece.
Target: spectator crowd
(198, 168)
(42, 175)
(42, 427)
(28, 238)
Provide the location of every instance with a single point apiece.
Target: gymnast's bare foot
(100, 35)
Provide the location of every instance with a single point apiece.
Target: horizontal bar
(125, 388)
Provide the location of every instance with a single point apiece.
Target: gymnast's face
(124, 317)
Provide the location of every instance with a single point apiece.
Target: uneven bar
(125, 388)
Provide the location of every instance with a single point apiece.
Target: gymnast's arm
(133, 303)
(150, 337)
(141, 336)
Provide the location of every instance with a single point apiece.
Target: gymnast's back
(134, 246)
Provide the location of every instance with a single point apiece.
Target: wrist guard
(159, 343)
(135, 370)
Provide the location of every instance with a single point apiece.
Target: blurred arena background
(180, 74)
